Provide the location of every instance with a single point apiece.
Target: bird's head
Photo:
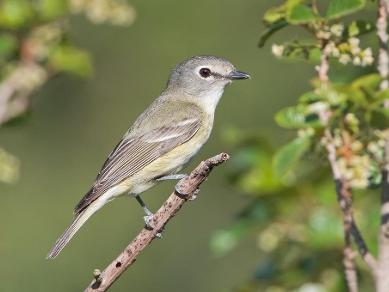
(204, 75)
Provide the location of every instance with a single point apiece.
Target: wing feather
(133, 153)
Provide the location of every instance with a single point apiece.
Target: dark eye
(205, 72)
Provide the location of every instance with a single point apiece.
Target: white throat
(210, 99)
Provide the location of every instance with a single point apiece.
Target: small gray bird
(162, 140)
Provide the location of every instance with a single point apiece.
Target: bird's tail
(64, 239)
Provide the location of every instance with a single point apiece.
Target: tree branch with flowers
(35, 45)
(346, 120)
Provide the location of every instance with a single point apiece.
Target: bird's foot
(149, 224)
(159, 234)
(194, 196)
(149, 221)
(180, 191)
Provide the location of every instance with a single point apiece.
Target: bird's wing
(135, 152)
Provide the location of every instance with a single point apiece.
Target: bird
(162, 140)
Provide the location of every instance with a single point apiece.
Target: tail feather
(82, 217)
(64, 239)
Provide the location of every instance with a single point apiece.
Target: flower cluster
(350, 52)
(41, 40)
(358, 163)
(346, 51)
(117, 12)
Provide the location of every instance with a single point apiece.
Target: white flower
(337, 30)
(324, 35)
(344, 59)
(368, 52)
(336, 53)
(367, 57)
(311, 287)
(277, 50)
(357, 61)
(356, 146)
(373, 147)
(354, 42)
(318, 107)
(351, 119)
(355, 50)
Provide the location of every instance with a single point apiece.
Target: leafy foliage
(338, 8)
(292, 238)
(35, 45)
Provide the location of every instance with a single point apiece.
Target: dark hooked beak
(238, 75)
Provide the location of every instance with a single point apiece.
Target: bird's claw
(184, 195)
(194, 196)
(149, 221)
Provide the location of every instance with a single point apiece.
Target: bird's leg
(172, 177)
(148, 215)
(143, 205)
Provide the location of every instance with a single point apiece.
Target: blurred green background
(75, 123)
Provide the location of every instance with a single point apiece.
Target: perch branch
(383, 68)
(186, 189)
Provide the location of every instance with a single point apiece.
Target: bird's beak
(238, 75)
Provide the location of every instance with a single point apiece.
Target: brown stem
(343, 192)
(186, 189)
(383, 58)
(17, 87)
(383, 68)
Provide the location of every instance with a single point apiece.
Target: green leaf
(300, 14)
(379, 120)
(8, 45)
(383, 95)
(325, 231)
(15, 13)
(385, 111)
(370, 81)
(270, 30)
(310, 97)
(301, 51)
(288, 156)
(360, 27)
(339, 8)
(314, 55)
(296, 117)
(71, 60)
(253, 169)
(275, 14)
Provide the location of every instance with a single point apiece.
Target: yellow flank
(169, 163)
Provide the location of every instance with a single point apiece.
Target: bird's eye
(205, 72)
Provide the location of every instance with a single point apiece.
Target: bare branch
(351, 230)
(186, 189)
(383, 57)
(344, 195)
(344, 198)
